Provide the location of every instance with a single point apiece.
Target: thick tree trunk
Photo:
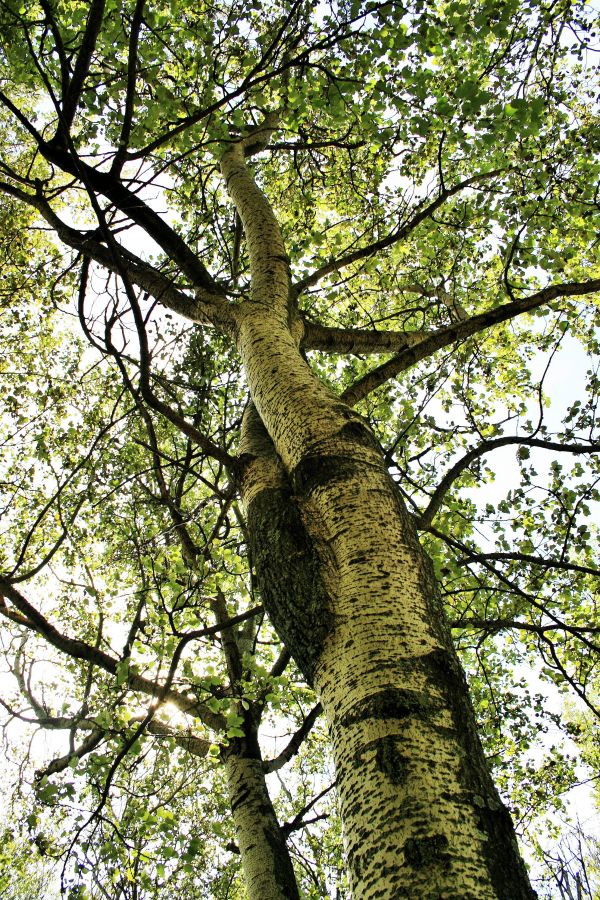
(421, 816)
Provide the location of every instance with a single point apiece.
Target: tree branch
(132, 205)
(529, 558)
(82, 66)
(136, 24)
(494, 625)
(298, 820)
(459, 331)
(398, 234)
(293, 746)
(458, 468)
(78, 649)
(207, 307)
(357, 340)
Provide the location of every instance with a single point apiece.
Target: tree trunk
(268, 870)
(421, 816)
(266, 863)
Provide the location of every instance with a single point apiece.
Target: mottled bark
(291, 573)
(268, 870)
(266, 863)
(421, 816)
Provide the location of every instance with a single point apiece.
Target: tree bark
(266, 863)
(421, 816)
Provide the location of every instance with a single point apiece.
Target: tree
(308, 187)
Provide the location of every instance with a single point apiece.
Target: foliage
(434, 171)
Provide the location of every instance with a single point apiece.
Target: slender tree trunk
(421, 816)
(266, 863)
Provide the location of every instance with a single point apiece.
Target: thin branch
(399, 234)
(205, 307)
(494, 625)
(89, 743)
(136, 24)
(65, 71)
(78, 649)
(458, 468)
(529, 558)
(298, 820)
(187, 428)
(293, 746)
(21, 117)
(515, 589)
(131, 204)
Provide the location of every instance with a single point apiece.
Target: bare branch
(272, 765)
(136, 24)
(89, 743)
(495, 625)
(298, 820)
(205, 307)
(132, 205)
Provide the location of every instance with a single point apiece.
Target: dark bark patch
(510, 880)
(314, 471)
(505, 866)
(390, 761)
(240, 799)
(358, 432)
(288, 572)
(284, 871)
(357, 560)
(422, 852)
(391, 703)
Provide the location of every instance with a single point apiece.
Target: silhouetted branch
(271, 765)
(486, 447)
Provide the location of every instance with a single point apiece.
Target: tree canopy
(421, 181)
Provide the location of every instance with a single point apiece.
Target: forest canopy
(284, 285)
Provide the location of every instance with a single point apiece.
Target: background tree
(308, 188)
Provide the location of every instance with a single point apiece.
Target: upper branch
(82, 65)
(459, 331)
(403, 231)
(458, 468)
(132, 59)
(149, 396)
(131, 204)
(207, 307)
(357, 340)
(530, 559)
(269, 262)
(293, 746)
(65, 70)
